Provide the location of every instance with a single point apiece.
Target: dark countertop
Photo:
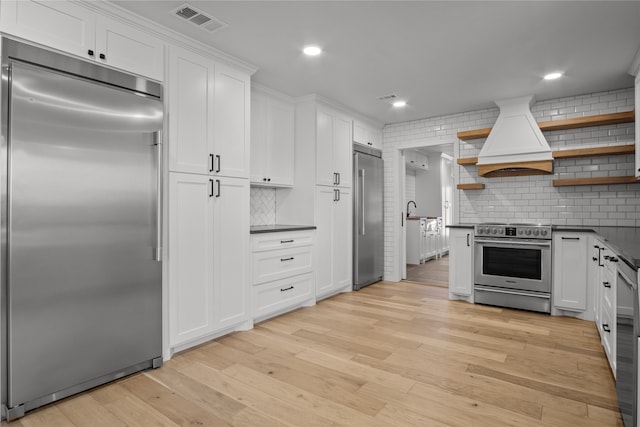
(460, 225)
(274, 228)
(414, 217)
(624, 241)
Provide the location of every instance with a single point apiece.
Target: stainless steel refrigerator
(368, 232)
(81, 271)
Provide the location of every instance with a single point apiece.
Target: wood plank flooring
(392, 354)
(434, 272)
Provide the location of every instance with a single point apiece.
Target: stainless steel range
(513, 266)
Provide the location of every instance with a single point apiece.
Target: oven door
(513, 264)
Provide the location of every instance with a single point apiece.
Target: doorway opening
(428, 196)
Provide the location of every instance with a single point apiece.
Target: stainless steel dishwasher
(627, 336)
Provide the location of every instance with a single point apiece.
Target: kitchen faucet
(414, 205)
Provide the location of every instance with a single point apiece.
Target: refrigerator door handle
(361, 175)
(157, 251)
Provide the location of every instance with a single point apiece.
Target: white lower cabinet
(570, 252)
(283, 279)
(208, 253)
(461, 263)
(334, 241)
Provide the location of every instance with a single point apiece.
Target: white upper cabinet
(71, 28)
(367, 135)
(232, 113)
(333, 149)
(272, 141)
(208, 116)
(129, 49)
(191, 92)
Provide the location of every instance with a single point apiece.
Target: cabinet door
(280, 134)
(570, 271)
(325, 199)
(342, 150)
(325, 172)
(258, 139)
(375, 138)
(231, 251)
(190, 257)
(61, 25)
(594, 273)
(360, 133)
(190, 112)
(461, 261)
(232, 122)
(129, 49)
(342, 239)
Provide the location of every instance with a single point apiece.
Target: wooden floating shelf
(595, 151)
(569, 154)
(596, 181)
(579, 122)
(470, 186)
(466, 161)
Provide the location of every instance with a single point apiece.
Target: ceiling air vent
(198, 18)
(388, 98)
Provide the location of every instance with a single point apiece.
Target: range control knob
(536, 232)
(493, 230)
(543, 232)
(528, 232)
(502, 231)
(520, 232)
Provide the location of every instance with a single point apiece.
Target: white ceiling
(443, 57)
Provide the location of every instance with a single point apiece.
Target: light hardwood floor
(392, 354)
(434, 272)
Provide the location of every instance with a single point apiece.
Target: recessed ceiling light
(553, 76)
(399, 104)
(312, 50)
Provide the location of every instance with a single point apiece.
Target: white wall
(527, 198)
(410, 189)
(429, 189)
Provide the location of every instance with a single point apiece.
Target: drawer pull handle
(594, 258)
(286, 289)
(286, 259)
(605, 327)
(286, 241)
(606, 284)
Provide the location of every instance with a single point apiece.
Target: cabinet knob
(594, 258)
(605, 327)
(90, 52)
(606, 284)
(269, 179)
(102, 56)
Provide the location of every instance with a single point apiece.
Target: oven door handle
(546, 244)
(508, 291)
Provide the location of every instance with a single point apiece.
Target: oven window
(512, 262)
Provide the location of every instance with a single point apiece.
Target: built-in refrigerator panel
(368, 229)
(83, 280)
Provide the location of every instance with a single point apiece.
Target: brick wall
(530, 198)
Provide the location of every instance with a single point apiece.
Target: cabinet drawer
(275, 296)
(278, 264)
(288, 239)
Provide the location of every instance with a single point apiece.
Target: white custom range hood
(515, 145)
